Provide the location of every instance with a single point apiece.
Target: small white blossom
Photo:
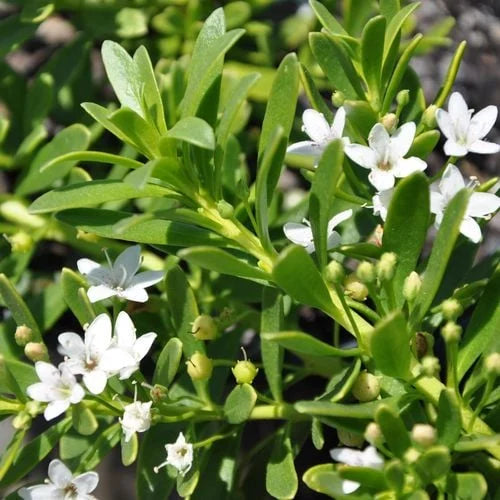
(62, 485)
(464, 130)
(356, 458)
(119, 279)
(179, 455)
(301, 234)
(480, 204)
(58, 387)
(96, 358)
(381, 202)
(136, 418)
(126, 340)
(320, 132)
(385, 155)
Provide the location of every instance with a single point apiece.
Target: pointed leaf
(195, 131)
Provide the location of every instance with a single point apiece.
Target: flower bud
(21, 421)
(389, 121)
(204, 327)
(158, 393)
(423, 435)
(403, 98)
(411, 455)
(366, 272)
(23, 335)
(386, 266)
(451, 309)
(225, 209)
(355, 289)
(430, 366)
(429, 116)
(351, 439)
(199, 366)
(33, 408)
(338, 98)
(451, 332)
(244, 372)
(411, 286)
(422, 344)
(36, 351)
(21, 242)
(366, 387)
(492, 364)
(334, 272)
(373, 434)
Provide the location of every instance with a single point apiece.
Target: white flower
(464, 130)
(317, 128)
(356, 458)
(62, 485)
(381, 202)
(58, 387)
(120, 278)
(126, 340)
(179, 455)
(480, 204)
(95, 358)
(301, 234)
(136, 418)
(385, 155)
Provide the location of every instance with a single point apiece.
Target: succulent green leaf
(372, 51)
(194, 130)
(240, 403)
(449, 421)
(168, 362)
(129, 449)
(394, 431)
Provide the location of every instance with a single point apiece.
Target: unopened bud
(373, 434)
(451, 332)
(158, 393)
(451, 309)
(386, 266)
(244, 372)
(21, 421)
(199, 366)
(23, 335)
(33, 408)
(429, 116)
(366, 387)
(355, 289)
(204, 327)
(366, 272)
(411, 455)
(492, 364)
(225, 209)
(377, 236)
(411, 286)
(420, 344)
(389, 121)
(36, 351)
(20, 242)
(430, 366)
(424, 435)
(334, 272)
(351, 439)
(338, 98)
(403, 98)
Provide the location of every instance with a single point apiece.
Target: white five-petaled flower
(62, 485)
(356, 458)
(95, 357)
(320, 132)
(381, 202)
(136, 418)
(301, 234)
(58, 387)
(179, 455)
(464, 130)
(119, 278)
(126, 340)
(480, 204)
(385, 155)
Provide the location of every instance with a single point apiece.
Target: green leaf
(336, 65)
(325, 479)
(372, 50)
(194, 130)
(395, 25)
(392, 331)
(467, 486)
(152, 231)
(271, 319)
(240, 403)
(18, 308)
(83, 420)
(139, 177)
(38, 101)
(186, 484)
(433, 464)
(368, 477)
(281, 478)
(327, 20)
(14, 33)
(36, 11)
(394, 431)
(306, 344)
(406, 227)
(313, 94)
(328, 409)
(129, 449)
(451, 75)
(449, 421)
(168, 362)
(73, 138)
(16, 376)
(88, 194)
(131, 23)
(441, 251)
(481, 335)
(322, 197)
(424, 144)
(389, 8)
(101, 446)
(32, 453)
(361, 115)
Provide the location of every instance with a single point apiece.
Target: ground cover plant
(176, 329)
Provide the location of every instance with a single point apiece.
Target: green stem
(276, 412)
(363, 309)
(348, 312)
(451, 366)
(374, 296)
(486, 394)
(212, 439)
(389, 290)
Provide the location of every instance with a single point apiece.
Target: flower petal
(484, 147)
(381, 202)
(130, 260)
(381, 179)
(349, 486)
(77, 394)
(333, 240)
(55, 408)
(85, 266)
(300, 234)
(451, 182)
(95, 381)
(42, 492)
(452, 148)
(143, 345)
(481, 123)
(470, 229)
(443, 119)
(402, 140)
(347, 456)
(371, 458)
(305, 148)
(362, 155)
(406, 166)
(482, 204)
(315, 126)
(337, 128)
(135, 294)
(86, 483)
(98, 336)
(59, 474)
(71, 344)
(47, 372)
(379, 140)
(100, 292)
(41, 392)
(114, 359)
(339, 218)
(145, 279)
(124, 331)
(437, 202)
(459, 112)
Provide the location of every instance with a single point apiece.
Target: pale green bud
(386, 266)
(424, 435)
(451, 309)
(21, 421)
(23, 335)
(158, 393)
(20, 242)
(373, 434)
(403, 98)
(334, 272)
(411, 286)
(411, 455)
(429, 116)
(225, 209)
(199, 366)
(355, 289)
(204, 327)
(430, 366)
(366, 272)
(244, 372)
(338, 98)
(351, 439)
(33, 408)
(492, 364)
(451, 332)
(36, 351)
(389, 121)
(366, 387)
